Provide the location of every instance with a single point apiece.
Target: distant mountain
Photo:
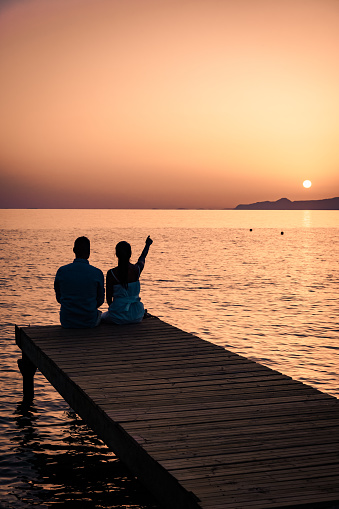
(285, 204)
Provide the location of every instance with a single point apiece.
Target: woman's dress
(126, 306)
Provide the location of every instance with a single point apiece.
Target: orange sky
(168, 103)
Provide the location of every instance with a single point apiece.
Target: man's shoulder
(65, 267)
(85, 268)
(95, 270)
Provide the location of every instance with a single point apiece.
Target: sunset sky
(167, 103)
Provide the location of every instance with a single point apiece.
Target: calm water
(270, 297)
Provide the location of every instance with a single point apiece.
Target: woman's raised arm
(142, 257)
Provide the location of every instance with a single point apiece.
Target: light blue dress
(126, 306)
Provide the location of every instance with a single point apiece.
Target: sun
(307, 183)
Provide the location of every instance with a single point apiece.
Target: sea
(263, 284)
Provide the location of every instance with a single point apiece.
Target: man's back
(79, 288)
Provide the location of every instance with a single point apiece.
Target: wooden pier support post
(27, 370)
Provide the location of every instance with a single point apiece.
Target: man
(79, 288)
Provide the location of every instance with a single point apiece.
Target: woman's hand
(144, 253)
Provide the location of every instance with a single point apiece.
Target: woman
(123, 286)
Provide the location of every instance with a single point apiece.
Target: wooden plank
(192, 420)
(259, 433)
(256, 467)
(161, 390)
(234, 413)
(186, 449)
(246, 477)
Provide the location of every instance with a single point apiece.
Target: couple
(79, 288)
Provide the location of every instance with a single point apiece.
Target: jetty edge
(198, 425)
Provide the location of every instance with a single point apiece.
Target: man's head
(82, 248)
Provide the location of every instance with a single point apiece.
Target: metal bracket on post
(27, 370)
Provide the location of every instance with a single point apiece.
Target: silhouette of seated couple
(79, 288)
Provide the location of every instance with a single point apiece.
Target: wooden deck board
(202, 427)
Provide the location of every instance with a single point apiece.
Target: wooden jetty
(200, 426)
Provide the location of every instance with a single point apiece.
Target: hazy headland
(286, 204)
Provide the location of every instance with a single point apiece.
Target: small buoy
(282, 233)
